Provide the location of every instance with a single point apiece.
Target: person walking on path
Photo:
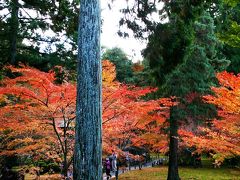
(114, 161)
(108, 168)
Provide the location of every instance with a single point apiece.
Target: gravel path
(121, 171)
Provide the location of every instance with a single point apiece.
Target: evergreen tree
(194, 77)
(122, 62)
(233, 54)
(228, 29)
(143, 77)
(28, 21)
(231, 26)
(181, 62)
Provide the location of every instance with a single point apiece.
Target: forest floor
(186, 173)
(160, 173)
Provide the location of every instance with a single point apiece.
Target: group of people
(111, 164)
(158, 162)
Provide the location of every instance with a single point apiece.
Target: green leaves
(231, 2)
(232, 35)
(122, 62)
(32, 23)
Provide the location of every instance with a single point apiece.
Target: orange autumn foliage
(223, 137)
(127, 118)
(108, 73)
(20, 135)
(42, 106)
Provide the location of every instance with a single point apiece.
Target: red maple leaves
(41, 101)
(223, 137)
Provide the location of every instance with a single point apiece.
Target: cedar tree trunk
(88, 132)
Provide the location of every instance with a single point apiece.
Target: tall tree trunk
(14, 25)
(88, 143)
(173, 149)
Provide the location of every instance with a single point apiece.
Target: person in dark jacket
(108, 168)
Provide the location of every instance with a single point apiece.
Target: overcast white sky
(109, 38)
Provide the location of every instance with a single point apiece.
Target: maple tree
(39, 98)
(41, 103)
(20, 135)
(222, 137)
(153, 130)
(129, 120)
(122, 112)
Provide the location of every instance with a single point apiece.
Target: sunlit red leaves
(21, 135)
(31, 103)
(127, 118)
(228, 95)
(126, 115)
(37, 88)
(130, 120)
(223, 137)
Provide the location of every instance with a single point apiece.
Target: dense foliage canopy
(195, 107)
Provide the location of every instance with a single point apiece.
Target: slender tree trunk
(65, 164)
(88, 145)
(173, 150)
(14, 25)
(65, 153)
(65, 150)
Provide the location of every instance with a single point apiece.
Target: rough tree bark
(88, 145)
(173, 150)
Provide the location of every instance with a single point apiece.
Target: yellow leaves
(108, 73)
